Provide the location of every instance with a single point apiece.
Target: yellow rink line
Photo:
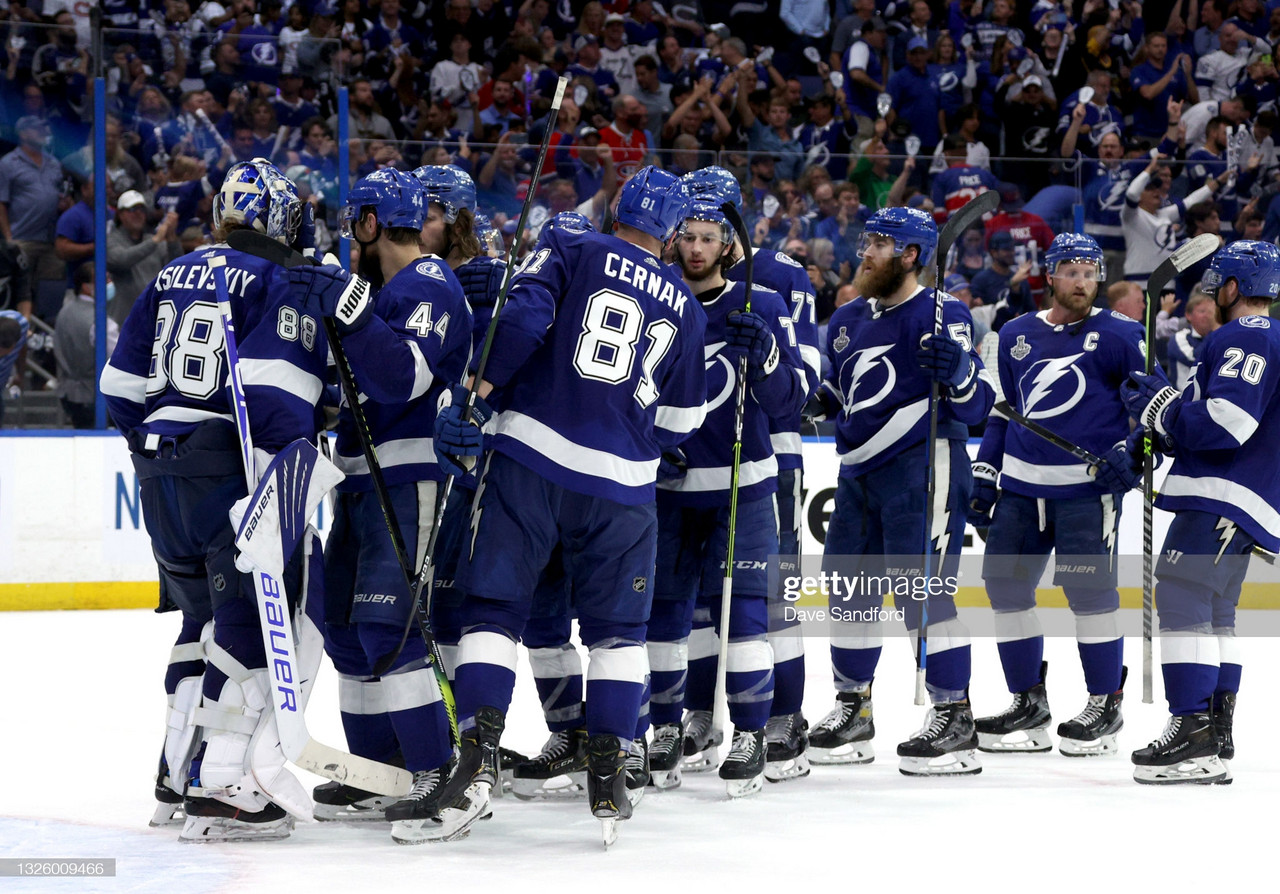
(144, 594)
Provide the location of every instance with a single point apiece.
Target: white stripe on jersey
(719, 477)
(812, 358)
(681, 420)
(281, 374)
(786, 442)
(118, 383)
(422, 377)
(889, 434)
(1051, 476)
(404, 452)
(1221, 490)
(1235, 421)
(185, 414)
(575, 457)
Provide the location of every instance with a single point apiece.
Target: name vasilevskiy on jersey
(197, 278)
(628, 271)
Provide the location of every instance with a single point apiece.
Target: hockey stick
(720, 701)
(1190, 253)
(277, 628)
(964, 217)
(425, 580)
(1002, 407)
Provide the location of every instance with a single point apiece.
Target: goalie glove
(330, 291)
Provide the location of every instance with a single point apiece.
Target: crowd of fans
(1159, 121)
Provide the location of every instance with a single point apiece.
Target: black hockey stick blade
(260, 245)
(964, 217)
(1002, 407)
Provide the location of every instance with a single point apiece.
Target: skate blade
(221, 829)
(702, 761)
(1228, 779)
(955, 763)
(1027, 741)
(744, 788)
(665, 780)
(566, 787)
(168, 815)
(784, 771)
(635, 795)
(1195, 771)
(847, 754)
(1099, 747)
(609, 830)
(453, 823)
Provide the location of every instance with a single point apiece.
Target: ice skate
(337, 802)
(743, 767)
(412, 817)
(1093, 731)
(844, 736)
(1186, 752)
(464, 797)
(637, 768)
(1224, 710)
(559, 772)
(508, 760)
(664, 756)
(210, 820)
(1023, 727)
(169, 810)
(701, 743)
(946, 746)
(786, 748)
(607, 784)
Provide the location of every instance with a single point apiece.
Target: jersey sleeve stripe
(812, 358)
(404, 452)
(575, 457)
(786, 442)
(681, 420)
(422, 375)
(283, 375)
(185, 414)
(895, 429)
(1041, 474)
(118, 383)
(1225, 492)
(718, 478)
(1235, 421)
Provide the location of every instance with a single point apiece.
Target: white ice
(82, 711)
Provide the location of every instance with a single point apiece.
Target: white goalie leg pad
(243, 762)
(306, 620)
(181, 727)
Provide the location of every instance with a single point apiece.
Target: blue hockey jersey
(709, 451)
(1067, 378)
(416, 346)
(169, 371)
(1225, 430)
(883, 392)
(781, 273)
(594, 332)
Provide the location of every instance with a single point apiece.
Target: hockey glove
(455, 439)
(1121, 470)
(945, 361)
(306, 241)
(984, 496)
(330, 291)
(1153, 403)
(672, 465)
(748, 333)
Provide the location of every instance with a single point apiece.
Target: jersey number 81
(606, 350)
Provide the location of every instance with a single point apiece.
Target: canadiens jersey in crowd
(1067, 378)
(168, 372)
(416, 345)
(883, 390)
(626, 353)
(709, 451)
(777, 271)
(954, 187)
(1226, 429)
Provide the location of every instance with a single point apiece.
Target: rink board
(73, 535)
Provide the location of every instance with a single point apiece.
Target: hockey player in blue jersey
(406, 346)
(593, 322)
(786, 734)
(693, 507)
(165, 388)
(884, 359)
(1224, 492)
(1062, 367)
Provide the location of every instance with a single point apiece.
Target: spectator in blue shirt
(1155, 82)
(916, 98)
(73, 239)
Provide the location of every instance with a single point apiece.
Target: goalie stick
(277, 629)
(964, 217)
(1189, 253)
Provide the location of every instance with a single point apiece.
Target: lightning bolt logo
(1228, 530)
(1049, 372)
(863, 362)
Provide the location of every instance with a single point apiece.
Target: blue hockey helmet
(397, 200)
(705, 209)
(450, 187)
(716, 184)
(570, 220)
(906, 226)
(1074, 248)
(652, 201)
(1255, 266)
(257, 194)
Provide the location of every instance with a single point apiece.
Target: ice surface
(83, 705)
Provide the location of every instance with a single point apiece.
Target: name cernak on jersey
(628, 271)
(200, 277)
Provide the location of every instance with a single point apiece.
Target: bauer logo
(1256, 322)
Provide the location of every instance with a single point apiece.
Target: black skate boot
(1224, 710)
(637, 768)
(607, 784)
(701, 743)
(338, 801)
(844, 736)
(1186, 752)
(664, 756)
(464, 797)
(169, 810)
(412, 817)
(1021, 727)
(945, 747)
(558, 772)
(786, 746)
(210, 820)
(1093, 730)
(743, 767)
(508, 760)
